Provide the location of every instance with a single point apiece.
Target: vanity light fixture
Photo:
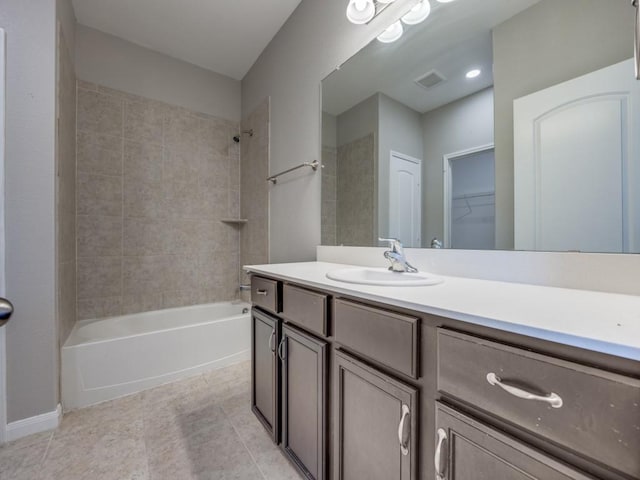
(361, 11)
(473, 73)
(392, 33)
(418, 13)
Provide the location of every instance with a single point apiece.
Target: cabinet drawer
(306, 308)
(264, 293)
(389, 338)
(467, 449)
(592, 412)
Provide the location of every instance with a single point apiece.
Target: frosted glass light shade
(392, 33)
(360, 11)
(418, 13)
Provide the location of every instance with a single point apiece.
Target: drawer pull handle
(403, 438)
(262, 292)
(282, 352)
(440, 459)
(552, 399)
(272, 346)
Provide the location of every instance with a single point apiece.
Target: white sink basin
(382, 277)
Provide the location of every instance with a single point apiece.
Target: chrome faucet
(396, 256)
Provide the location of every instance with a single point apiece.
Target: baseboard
(31, 425)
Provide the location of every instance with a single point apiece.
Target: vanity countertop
(602, 322)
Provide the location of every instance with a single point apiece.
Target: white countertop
(602, 322)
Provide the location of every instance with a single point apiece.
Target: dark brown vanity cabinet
(469, 450)
(375, 431)
(265, 378)
(419, 396)
(304, 391)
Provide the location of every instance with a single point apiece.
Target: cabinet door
(304, 374)
(375, 424)
(265, 371)
(469, 450)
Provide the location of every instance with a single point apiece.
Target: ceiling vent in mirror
(430, 79)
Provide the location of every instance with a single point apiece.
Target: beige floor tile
(23, 458)
(200, 428)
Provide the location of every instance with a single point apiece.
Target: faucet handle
(394, 244)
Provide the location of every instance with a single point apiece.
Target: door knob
(6, 309)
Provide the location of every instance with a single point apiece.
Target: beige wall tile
(142, 162)
(100, 154)
(99, 113)
(99, 236)
(143, 120)
(143, 236)
(99, 277)
(99, 195)
(164, 177)
(99, 307)
(143, 199)
(144, 275)
(135, 303)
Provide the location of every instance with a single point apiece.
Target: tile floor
(200, 428)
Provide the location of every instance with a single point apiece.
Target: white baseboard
(31, 425)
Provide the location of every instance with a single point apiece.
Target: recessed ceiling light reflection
(473, 73)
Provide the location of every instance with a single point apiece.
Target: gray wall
(549, 43)
(314, 40)
(460, 125)
(32, 367)
(400, 130)
(121, 65)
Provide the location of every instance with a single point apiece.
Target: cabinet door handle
(282, 349)
(440, 459)
(552, 399)
(262, 292)
(272, 346)
(403, 435)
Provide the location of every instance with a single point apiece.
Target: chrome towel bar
(314, 165)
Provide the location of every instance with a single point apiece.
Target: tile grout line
(245, 445)
(46, 450)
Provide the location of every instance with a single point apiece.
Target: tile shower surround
(66, 191)
(254, 189)
(153, 183)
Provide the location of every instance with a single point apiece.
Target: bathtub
(109, 358)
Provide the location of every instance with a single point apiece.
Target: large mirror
(494, 124)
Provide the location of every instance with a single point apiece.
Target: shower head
(246, 132)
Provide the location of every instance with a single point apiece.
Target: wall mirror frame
(539, 151)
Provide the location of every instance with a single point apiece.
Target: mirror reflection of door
(405, 197)
(470, 199)
(576, 164)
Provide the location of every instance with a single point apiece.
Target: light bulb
(418, 13)
(392, 33)
(360, 11)
(386, 1)
(473, 73)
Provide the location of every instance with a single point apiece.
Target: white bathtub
(109, 358)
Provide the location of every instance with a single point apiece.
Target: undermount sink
(382, 277)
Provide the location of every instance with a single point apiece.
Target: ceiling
(455, 39)
(224, 36)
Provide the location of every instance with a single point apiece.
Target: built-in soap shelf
(235, 221)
